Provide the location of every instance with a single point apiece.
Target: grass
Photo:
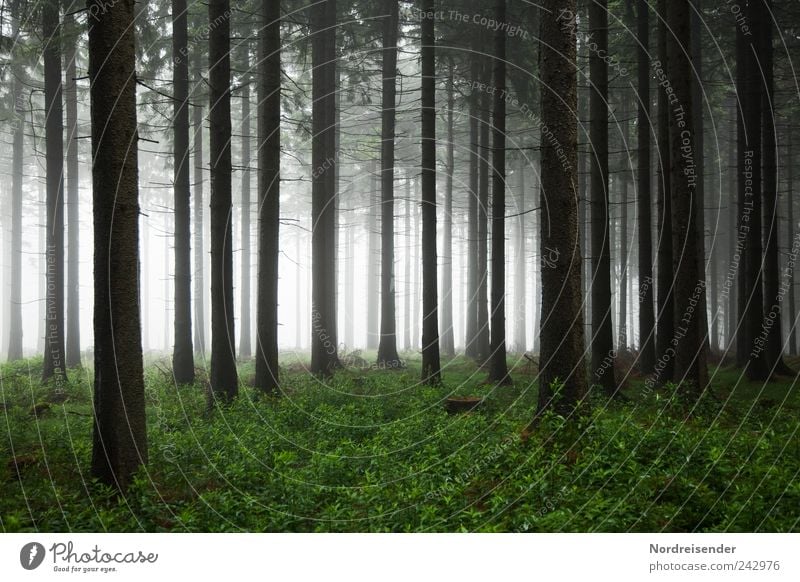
(374, 450)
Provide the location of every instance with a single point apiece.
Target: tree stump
(459, 404)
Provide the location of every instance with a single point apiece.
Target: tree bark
(665, 330)
(602, 344)
(520, 313)
(750, 176)
(199, 254)
(623, 244)
(498, 367)
(448, 341)
(471, 344)
(183, 354)
(269, 161)
(772, 293)
(790, 242)
(482, 337)
(120, 436)
(324, 343)
(430, 318)
(690, 342)
(15, 330)
(696, 25)
(223, 377)
(373, 253)
(407, 263)
(54, 364)
(562, 378)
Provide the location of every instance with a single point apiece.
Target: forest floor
(373, 450)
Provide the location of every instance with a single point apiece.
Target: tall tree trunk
(602, 344)
(772, 293)
(269, 162)
(223, 377)
(647, 351)
(471, 344)
(15, 330)
(349, 287)
(183, 355)
(120, 437)
(790, 242)
(665, 330)
(73, 201)
(713, 284)
(584, 222)
(688, 270)
(498, 367)
(407, 262)
(324, 357)
(699, 196)
(742, 295)
(373, 244)
(751, 209)
(42, 201)
(734, 260)
(245, 349)
(482, 338)
(623, 244)
(448, 341)
(430, 318)
(562, 343)
(520, 319)
(54, 364)
(199, 255)
(416, 287)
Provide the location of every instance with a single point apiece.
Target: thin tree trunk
(430, 318)
(734, 261)
(416, 286)
(120, 436)
(520, 337)
(471, 346)
(482, 338)
(183, 354)
(349, 289)
(269, 161)
(407, 261)
(562, 378)
(15, 330)
(223, 376)
(199, 256)
(688, 269)
(448, 341)
(790, 242)
(623, 244)
(324, 343)
(373, 252)
(42, 202)
(602, 344)
(713, 285)
(54, 364)
(73, 201)
(498, 367)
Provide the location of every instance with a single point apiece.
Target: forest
(399, 266)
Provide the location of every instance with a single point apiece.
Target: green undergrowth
(374, 450)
